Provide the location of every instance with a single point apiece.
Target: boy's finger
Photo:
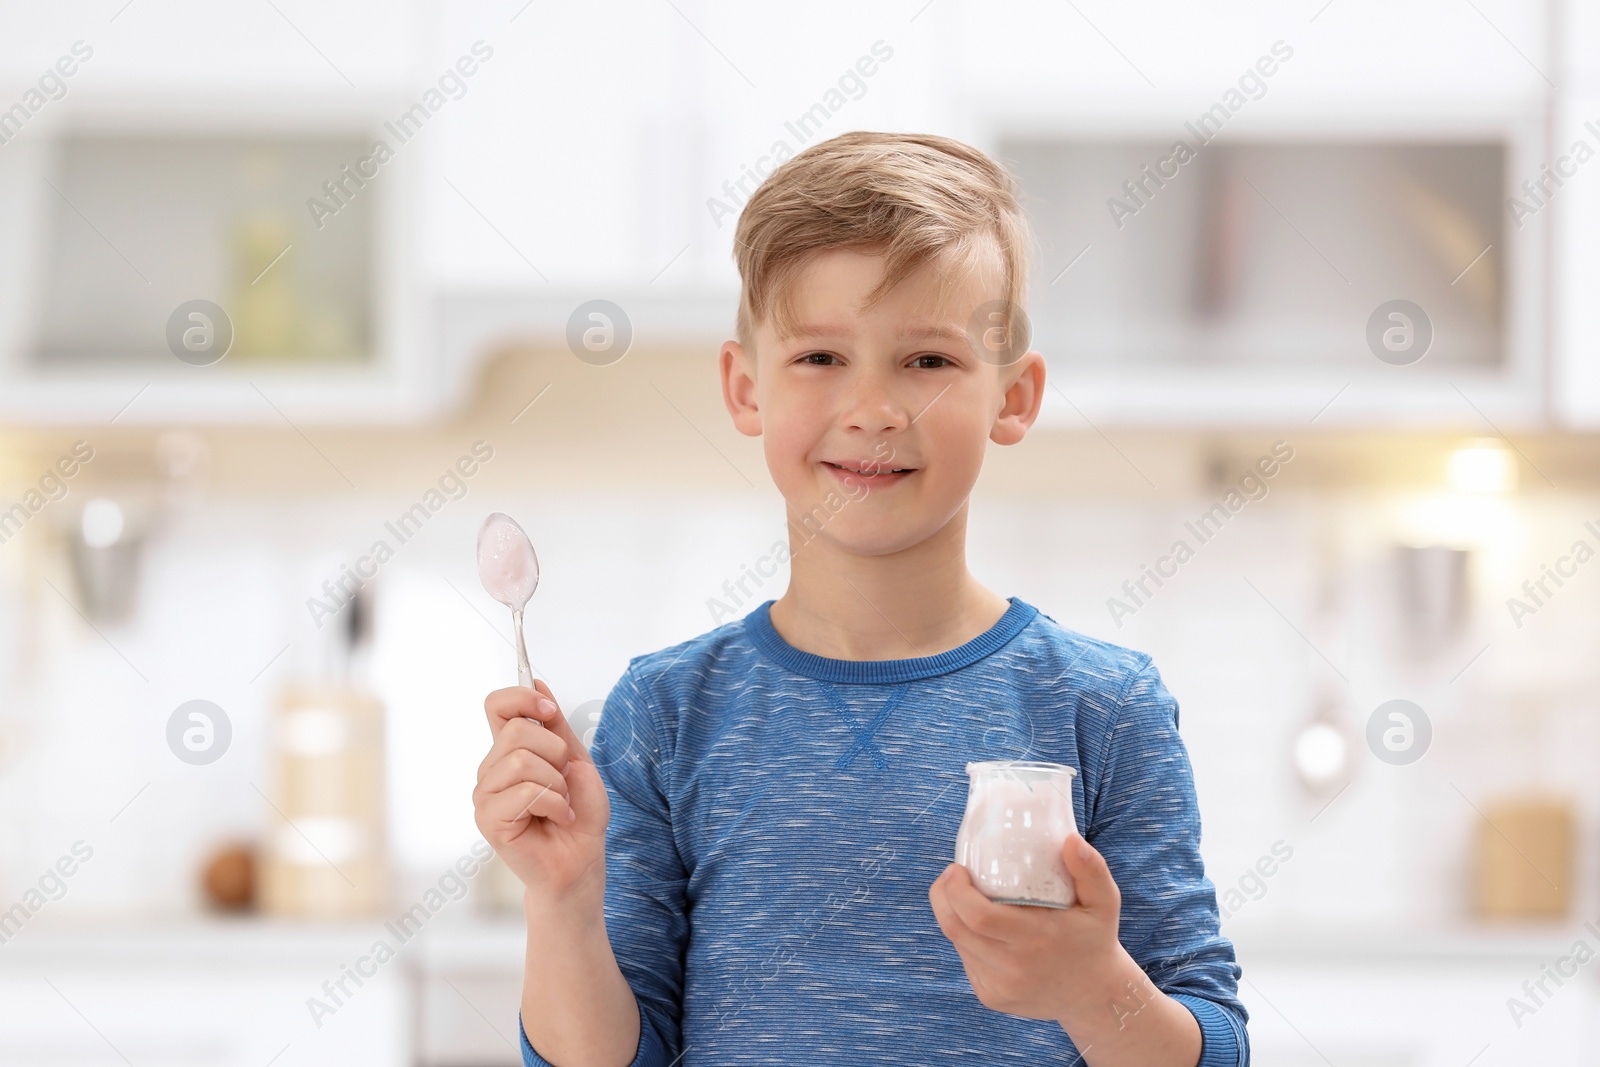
(1095, 888)
(510, 807)
(530, 735)
(968, 906)
(949, 925)
(558, 725)
(517, 701)
(521, 765)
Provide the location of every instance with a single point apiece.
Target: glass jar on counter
(1018, 817)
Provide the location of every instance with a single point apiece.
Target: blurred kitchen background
(241, 347)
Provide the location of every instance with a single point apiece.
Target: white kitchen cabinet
(105, 257)
(231, 1017)
(1406, 1015)
(1314, 77)
(276, 79)
(234, 993)
(202, 995)
(469, 993)
(1415, 999)
(1238, 284)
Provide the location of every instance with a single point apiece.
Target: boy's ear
(739, 388)
(1019, 405)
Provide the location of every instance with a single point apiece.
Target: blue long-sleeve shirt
(777, 818)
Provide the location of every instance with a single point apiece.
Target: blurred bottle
(268, 311)
(327, 856)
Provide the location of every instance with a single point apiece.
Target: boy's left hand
(1039, 963)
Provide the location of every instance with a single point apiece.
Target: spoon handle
(524, 678)
(524, 670)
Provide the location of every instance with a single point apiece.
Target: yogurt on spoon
(507, 565)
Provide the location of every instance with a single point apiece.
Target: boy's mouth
(870, 471)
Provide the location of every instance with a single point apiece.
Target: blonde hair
(913, 197)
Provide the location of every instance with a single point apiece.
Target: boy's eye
(812, 358)
(943, 361)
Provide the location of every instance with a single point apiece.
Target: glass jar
(1018, 817)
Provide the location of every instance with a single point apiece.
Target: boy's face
(898, 387)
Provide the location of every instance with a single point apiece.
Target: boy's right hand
(540, 801)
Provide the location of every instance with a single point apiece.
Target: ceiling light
(1482, 466)
(102, 523)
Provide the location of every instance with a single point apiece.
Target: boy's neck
(918, 602)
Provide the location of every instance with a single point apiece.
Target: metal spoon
(509, 571)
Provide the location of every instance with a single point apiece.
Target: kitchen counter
(486, 943)
(450, 994)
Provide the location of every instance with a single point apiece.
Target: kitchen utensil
(509, 570)
(1433, 594)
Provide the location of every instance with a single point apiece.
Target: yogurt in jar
(1018, 817)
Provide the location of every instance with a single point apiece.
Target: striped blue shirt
(777, 818)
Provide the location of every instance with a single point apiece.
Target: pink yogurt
(1018, 817)
(506, 563)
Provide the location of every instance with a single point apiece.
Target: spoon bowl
(509, 571)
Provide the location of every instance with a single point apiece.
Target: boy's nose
(874, 406)
(877, 419)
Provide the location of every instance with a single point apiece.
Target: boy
(753, 866)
